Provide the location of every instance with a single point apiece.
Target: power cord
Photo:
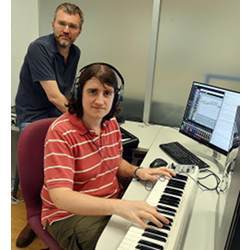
(204, 187)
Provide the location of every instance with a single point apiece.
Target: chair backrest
(30, 153)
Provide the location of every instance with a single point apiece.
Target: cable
(225, 182)
(149, 185)
(206, 188)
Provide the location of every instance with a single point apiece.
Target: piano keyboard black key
(167, 226)
(166, 208)
(176, 183)
(156, 231)
(181, 177)
(173, 191)
(170, 203)
(166, 212)
(143, 247)
(171, 220)
(178, 178)
(172, 198)
(150, 244)
(155, 237)
(153, 225)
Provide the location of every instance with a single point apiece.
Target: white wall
(24, 29)
(114, 31)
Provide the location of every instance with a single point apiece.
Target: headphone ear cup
(75, 92)
(120, 94)
(119, 98)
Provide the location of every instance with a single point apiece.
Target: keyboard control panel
(184, 169)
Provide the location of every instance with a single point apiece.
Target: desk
(146, 133)
(201, 229)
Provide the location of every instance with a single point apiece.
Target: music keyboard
(173, 198)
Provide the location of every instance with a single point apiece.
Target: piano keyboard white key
(175, 200)
(134, 233)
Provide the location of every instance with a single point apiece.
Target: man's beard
(63, 43)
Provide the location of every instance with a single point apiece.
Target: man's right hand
(139, 212)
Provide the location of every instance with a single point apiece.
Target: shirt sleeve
(59, 164)
(41, 62)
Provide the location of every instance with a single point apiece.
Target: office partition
(198, 40)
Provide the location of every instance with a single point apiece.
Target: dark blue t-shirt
(43, 62)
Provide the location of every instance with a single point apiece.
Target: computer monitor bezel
(204, 142)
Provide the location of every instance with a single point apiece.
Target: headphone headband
(110, 66)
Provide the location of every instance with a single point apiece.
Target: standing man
(47, 76)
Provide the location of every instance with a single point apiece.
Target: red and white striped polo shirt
(77, 158)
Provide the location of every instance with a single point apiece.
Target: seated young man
(83, 162)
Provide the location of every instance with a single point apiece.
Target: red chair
(30, 152)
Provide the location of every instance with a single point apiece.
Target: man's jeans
(23, 125)
(15, 183)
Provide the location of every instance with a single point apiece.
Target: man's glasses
(71, 26)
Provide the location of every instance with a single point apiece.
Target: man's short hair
(70, 9)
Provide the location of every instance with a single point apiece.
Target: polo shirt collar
(55, 48)
(53, 43)
(80, 126)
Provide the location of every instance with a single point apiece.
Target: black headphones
(118, 93)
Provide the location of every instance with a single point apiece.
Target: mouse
(158, 162)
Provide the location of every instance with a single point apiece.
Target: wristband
(135, 175)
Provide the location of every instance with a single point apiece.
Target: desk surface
(146, 133)
(201, 229)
